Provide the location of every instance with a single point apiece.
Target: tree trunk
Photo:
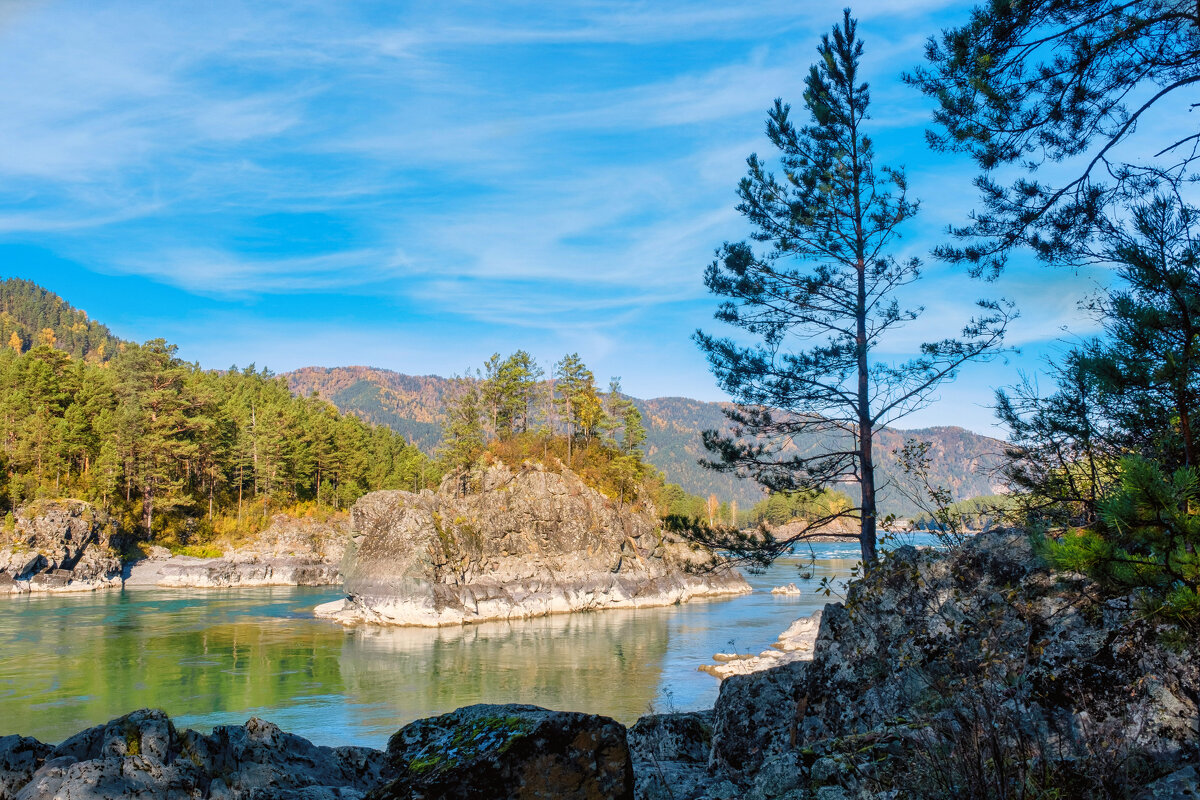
(148, 511)
(866, 462)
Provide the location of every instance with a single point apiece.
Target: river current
(214, 657)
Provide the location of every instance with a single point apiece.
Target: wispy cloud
(456, 174)
(219, 273)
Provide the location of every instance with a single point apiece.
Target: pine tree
(463, 440)
(581, 410)
(813, 372)
(150, 388)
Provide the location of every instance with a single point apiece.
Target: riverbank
(939, 669)
(69, 547)
(291, 551)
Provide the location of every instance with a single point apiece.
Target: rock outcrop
(291, 552)
(506, 751)
(143, 757)
(520, 544)
(670, 754)
(510, 751)
(60, 546)
(974, 672)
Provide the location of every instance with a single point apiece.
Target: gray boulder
(755, 718)
(670, 755)
(493, 752)
(20, 758)
(141, 755)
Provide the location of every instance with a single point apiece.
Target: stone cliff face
(60, 545)
(522, 544)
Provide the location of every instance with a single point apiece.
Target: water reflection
(220, 656)
(603, 662)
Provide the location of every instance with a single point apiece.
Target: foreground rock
(510, 751)
(142, 756)
(794, 644)
(291, 552)
(974, 673)
(670, 755)
(60, 546)
(521, 544)
(507, 751)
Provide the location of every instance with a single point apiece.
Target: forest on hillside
(178, 452)
(181, 453)
(31, 315)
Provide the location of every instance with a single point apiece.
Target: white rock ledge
(220, 573)
(435, 606)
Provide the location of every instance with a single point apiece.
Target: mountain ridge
(961, 460)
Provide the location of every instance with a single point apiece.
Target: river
(213, 657)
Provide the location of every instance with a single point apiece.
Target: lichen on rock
(510, 751)
(60, 546)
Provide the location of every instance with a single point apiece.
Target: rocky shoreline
(68, 546)
(223, 573)
(520, 543)
(940, 674)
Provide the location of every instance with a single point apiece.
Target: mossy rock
(515, 751)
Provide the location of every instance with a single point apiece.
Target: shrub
(1146, 539)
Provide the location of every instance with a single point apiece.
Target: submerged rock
(521, 544)
(60, 546)
(496, 752)
(794, 644)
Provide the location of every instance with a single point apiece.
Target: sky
(417, 186)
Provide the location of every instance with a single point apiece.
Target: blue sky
(415, 186)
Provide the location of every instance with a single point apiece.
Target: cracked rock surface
(515, 544)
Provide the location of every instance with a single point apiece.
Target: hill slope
(961, 460)
(26, 310)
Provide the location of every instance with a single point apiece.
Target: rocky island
(519, 543)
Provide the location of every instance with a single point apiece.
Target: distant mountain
(961, 460)
(410, 405)
(27, 311)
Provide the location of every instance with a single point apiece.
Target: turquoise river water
(213, 657)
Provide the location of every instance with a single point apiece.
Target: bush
(197, 551)
(1146, 539)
